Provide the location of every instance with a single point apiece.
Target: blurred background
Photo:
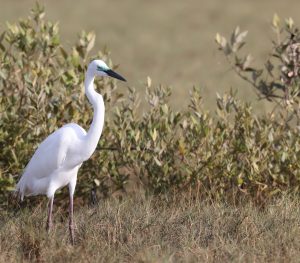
(172, 41)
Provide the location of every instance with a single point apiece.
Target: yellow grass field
(171, 41)
(151, 230)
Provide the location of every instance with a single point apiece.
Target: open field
(228, 156)
(152, 230)
(171, 41)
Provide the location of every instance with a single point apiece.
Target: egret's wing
(49, 156)
(52, 152)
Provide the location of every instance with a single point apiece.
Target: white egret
(56, 161)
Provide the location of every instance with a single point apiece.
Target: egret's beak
(114, 74)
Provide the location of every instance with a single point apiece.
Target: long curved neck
(97, 102)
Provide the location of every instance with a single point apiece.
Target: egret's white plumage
(54, 164)
(57, 159)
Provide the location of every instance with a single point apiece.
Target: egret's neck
(89, 88)
(97, 102)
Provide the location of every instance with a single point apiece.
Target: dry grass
(151, 230)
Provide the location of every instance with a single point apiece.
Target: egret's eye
(99, 68)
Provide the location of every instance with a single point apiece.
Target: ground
(140, 229)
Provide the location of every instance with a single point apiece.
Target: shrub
(232, 152)
(279, 79)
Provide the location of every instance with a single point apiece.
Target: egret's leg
(49, 219)
(72, 186)
(71, 220)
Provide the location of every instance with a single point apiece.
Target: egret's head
(99, 68)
